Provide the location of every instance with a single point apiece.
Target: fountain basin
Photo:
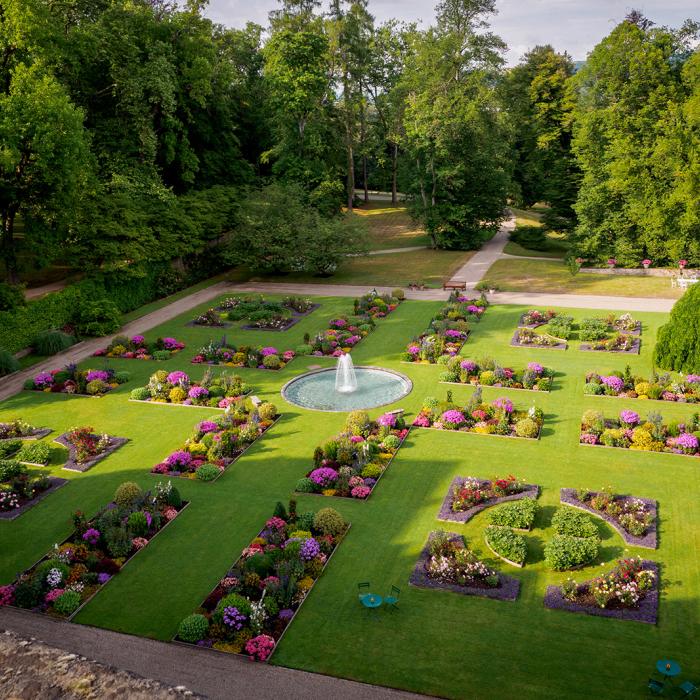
(375, 387)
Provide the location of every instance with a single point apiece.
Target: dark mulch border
(295, 318)
(648, 541)
(637, 330)
(531, 326)
(515, 344)
(38, 434)
(446, 514)
(72, 464)
(508, 590)
(221, 326)
(647, 611)
(634, 350)
(56, 484)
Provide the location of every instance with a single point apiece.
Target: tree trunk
(350, 182)
(432, 174)
(9, 253)
(394, 168)
(363, 136)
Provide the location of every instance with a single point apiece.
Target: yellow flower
(329, 492)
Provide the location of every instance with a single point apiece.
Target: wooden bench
(455, 284)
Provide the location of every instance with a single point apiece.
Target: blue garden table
(668, 668)
(372, 601)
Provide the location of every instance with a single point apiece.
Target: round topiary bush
(232, 600)
(122, 377)
(391, 442)
(358, 423)
(304, 349)
(95, 387)
(140, 394)
(138, 524)
(329, 522)
(272, 361)
(398, 293)
(127, 493)
(527, 428)
(193, 628)
(177, 395)
(207, 472)
(678, 341)
(305, 485)
(267, 411)
(67, 603)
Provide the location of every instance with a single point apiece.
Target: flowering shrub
(342, 335)
(630, 432)
(496, 418)
(451, 561)
(254, 357)
(17, 485)
(529, 337)
(86, 443)
(375, 305)
(487, 372)
(136, 348)
(473, 492)
(256, 599)
(70, 380)
(659, 387)
(350, 464)
(73, 572)
(215, 444)
(17, 428)
(535, 317)
(177, 387)
(633, 514)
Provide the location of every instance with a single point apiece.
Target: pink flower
(139, 542)
(53, 594)
(422, 421)
(360, 492)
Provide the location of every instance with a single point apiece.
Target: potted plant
(612, 262)
(646, 263)
(682, 264)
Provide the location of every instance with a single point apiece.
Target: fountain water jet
(345, 379)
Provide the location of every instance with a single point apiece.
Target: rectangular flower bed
(71, 380)
(252, 606)
(487, 372)
(629, 592)
(19, 429)
(216, 444)
(496, 418)
(535, 318)
(86, 448)
(31, 452)
(351, 464)
(211, 318)
(376, 306)
(528, 338)
(64, 580)
(628, 431)
(254, 357)
(446, 563)
(262, 314)
(177, 389)
(136, 348)
(662, 387)
(634, 518)
(341, 336)
(21, 489)
(469, 495)
(621, 343)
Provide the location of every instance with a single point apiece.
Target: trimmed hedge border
(648, 541)
(508, 590)
(56, 483)
(72, 464)
(647, 611)
(446, 514)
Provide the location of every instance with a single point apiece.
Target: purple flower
(91, 536)
(269, 351)
(504, 404)
(103, 578)
(421, 421)
(387, 419)
(369, 481)
(172, 344)
(207, 426)
(615, 383)
(454, 334)
(535, 367)
(693, 379)
(233, 617)
(310, 549)
(180, 458)
(138, 339)
(473, 309)
(453, 416)
(468, 365)
(688, 442)
(629, 417)
(413, 349)
(324, 476)
(97, 374)
(198, 392)
(43, 379)
(285, 614)
(178, 377)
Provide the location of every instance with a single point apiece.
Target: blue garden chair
(392, 600)
(362, 590)
(655, 687)
(687, 688)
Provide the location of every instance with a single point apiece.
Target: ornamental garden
(487, 494)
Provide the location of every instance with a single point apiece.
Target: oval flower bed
(634, 518)
(216, 444)
(487, 372)
(250, 608)
(469, 495)
(21, 489)
(622, 342)
(19, 429)
(446, 563)
(629, 592)
(629, 432)
(178, 389)
(351, 464)
(71, 380)
(658, 388)
(136, 348)
(73, 572)
(86, 448)
(496, 418)
(254, 357)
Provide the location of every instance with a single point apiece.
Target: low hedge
(506, 543)
(567, 521)
(519, 514)
(564, 552)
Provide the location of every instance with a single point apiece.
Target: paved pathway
(217, 676)
(583, 301)
(37, 292)
(396, 250)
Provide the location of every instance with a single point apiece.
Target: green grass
(390, 226)
(557, 246)
(437, 643)
(550, 277)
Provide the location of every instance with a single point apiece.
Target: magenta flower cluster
(180, 458)
(207, 426)
(387, 419)
(453, 416)
(198, 392)
(43, 380)
(629, 417)
(504, 404)
(269, 351)
(535, 367)
(97, 374)
(178, 377)
(615, 383)
(324, 476)
(468, 365)
(91, 536)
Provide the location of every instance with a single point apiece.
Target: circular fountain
(346, 387)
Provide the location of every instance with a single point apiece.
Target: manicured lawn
(557, 246)
(554, 277)
(438, 643)
(391, 226)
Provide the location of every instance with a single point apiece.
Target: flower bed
(475, 308)
(20, 489)
(469, 495)
(658, 388)
(136, 348)
(487, 372)
(19, 429)
(628, 592)
(251, 607)
(634, 518)
(254, 357)
(375, 305)
(622, 343)
(211, 318)
(351, 464)
(72, 573)
(341, 336)
(528, 338)
(262, 314)
(446, 563)
(629, 432)
(215, 444)
(496, 418)
(86, 449)
(177, 388)
(534, 318)
(34, 453)
(71, 380)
